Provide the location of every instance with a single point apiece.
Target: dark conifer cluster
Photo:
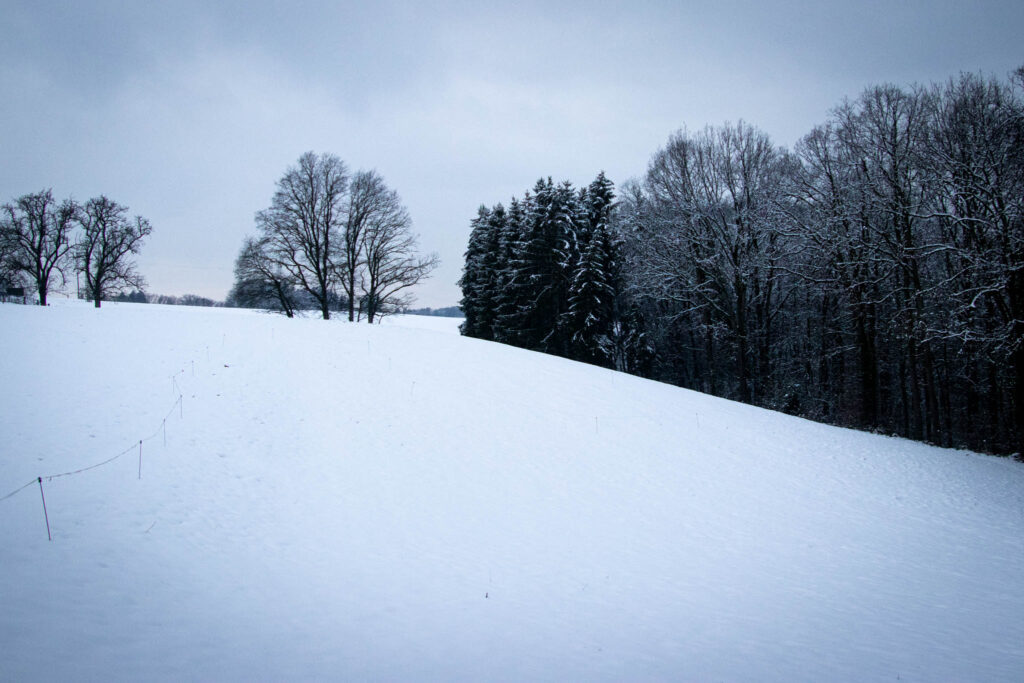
(546, 274)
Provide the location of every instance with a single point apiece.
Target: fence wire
(135, 445)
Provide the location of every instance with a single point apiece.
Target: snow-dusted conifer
(510, 275)
(489, 273)
(596, 283)
(546, 268)
(471, 273)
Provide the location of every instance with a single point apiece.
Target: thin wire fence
(160, 431)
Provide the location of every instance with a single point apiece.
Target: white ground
(339, 501)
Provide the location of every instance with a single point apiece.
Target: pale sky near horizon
(188, 112)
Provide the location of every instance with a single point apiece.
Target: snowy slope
(339, 501)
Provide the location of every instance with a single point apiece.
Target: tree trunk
(1016, 298)
(904, 399)
(973, 413)
(352, 296)
(1017, 361)
(742, 364)
(96, 290)
(371, 308)
(711, 381)
(824, 381)
(916, 416)
(868, 369)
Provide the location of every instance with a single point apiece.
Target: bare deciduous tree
(368, 198)
(37, 232)
(392, 262)
(9, 274)
(260, 281)
(300, 227)
(333, 240)
(714, 239)
(102, 251)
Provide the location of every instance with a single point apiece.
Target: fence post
(45, 515)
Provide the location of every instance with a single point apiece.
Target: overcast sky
(189, 112)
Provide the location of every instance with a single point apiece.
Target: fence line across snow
(160, 431)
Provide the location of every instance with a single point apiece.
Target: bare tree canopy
(335, 241)
(392, 262)
(36, 232)
(260, 282)
(10, 275)
(368, 201)
(101, 252)
(299, 229)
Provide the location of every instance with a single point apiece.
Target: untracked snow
(354, 502)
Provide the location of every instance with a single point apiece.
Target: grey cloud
(189, 111)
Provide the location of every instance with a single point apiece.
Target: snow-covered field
(353, 502)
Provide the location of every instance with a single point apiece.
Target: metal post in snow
(45, 515)
(140, 458)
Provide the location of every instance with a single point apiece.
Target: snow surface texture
(340, 501)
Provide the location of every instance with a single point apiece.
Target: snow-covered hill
(353, 502)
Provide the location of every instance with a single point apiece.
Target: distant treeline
(871, 277)
(337, 303)
(448, 312)
(138, 297)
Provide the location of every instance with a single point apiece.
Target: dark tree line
(546, 275)
(138, 297)
(872, 277)
(41, 239)
(330, 241)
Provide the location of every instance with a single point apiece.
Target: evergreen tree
(547, 268)
(510, 276)
(489, 270)
(544, 275)
(591, 301)
(596, 288)
(472, 273)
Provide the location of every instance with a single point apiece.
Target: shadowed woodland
(871, 277)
